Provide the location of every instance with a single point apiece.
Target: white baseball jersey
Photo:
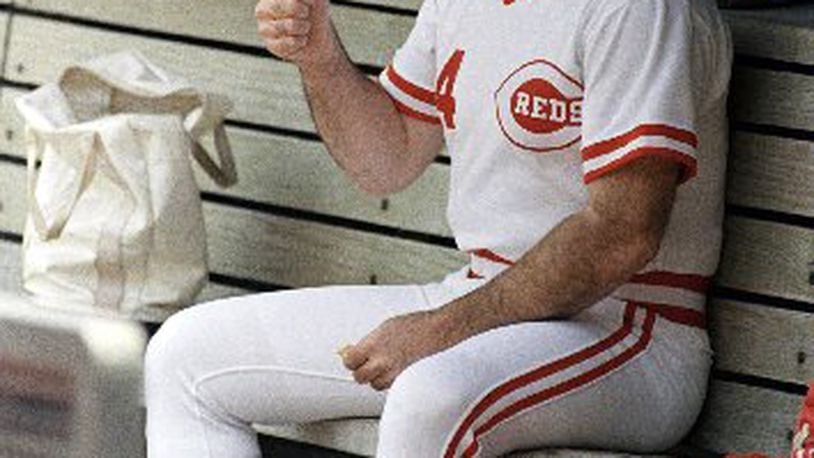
(538, 98)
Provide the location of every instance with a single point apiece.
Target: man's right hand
(298, 31)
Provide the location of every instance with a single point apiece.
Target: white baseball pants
(620, 375)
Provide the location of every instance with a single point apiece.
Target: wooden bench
(309, 226)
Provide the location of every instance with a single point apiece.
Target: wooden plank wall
(308, 226)
(764, 299)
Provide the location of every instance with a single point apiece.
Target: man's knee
(427, 394)
(171, 349)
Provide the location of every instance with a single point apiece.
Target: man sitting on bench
(587, 140)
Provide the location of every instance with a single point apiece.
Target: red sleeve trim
(688, 163)
(402, 108)
(615, 143)
(417, 92)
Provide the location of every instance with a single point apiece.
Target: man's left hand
(392, 347)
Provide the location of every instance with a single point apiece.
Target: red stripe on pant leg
(564, 387)
(538, 374)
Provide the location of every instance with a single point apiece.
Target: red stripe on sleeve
(613, 144)
(531, 377)
(414, 91)
(688, 163)
(402, 108)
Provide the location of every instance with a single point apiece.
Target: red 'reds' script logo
(539, 107)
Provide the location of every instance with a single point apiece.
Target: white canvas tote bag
(114, 212)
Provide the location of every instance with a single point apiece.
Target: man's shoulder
(699, 14)
(651, 7)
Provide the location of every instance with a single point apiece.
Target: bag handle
(209, 118)
(51, 231)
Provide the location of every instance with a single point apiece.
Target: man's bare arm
(585, 258)
(582, 260)
(379, 148)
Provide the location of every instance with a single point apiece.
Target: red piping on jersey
(689, 165)
(536, 375)
(615, 143)
(541, 61)
(413, 90)
(402, 108)
(571, 384)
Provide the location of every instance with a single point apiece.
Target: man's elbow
(639, 250)
(376, 187)
(384, 181)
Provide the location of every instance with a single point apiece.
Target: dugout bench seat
(309, 226)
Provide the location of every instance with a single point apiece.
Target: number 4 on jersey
(445, 100)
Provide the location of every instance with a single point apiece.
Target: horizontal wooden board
(771, 97)
(767, 258)
(745, 419)
(4, 22)
(771, 173)
(300, 174)
(762, 341)
(293, 253)
(370, 36)
(263, 90)
(283, 251)
(780, 33)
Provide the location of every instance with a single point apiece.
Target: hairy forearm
(579, 262)
(358, 123)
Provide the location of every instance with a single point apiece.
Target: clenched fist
(298, 31)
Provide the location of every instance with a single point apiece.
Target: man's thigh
(273, 357)
(598, 380)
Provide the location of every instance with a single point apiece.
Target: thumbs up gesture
(298, 31)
